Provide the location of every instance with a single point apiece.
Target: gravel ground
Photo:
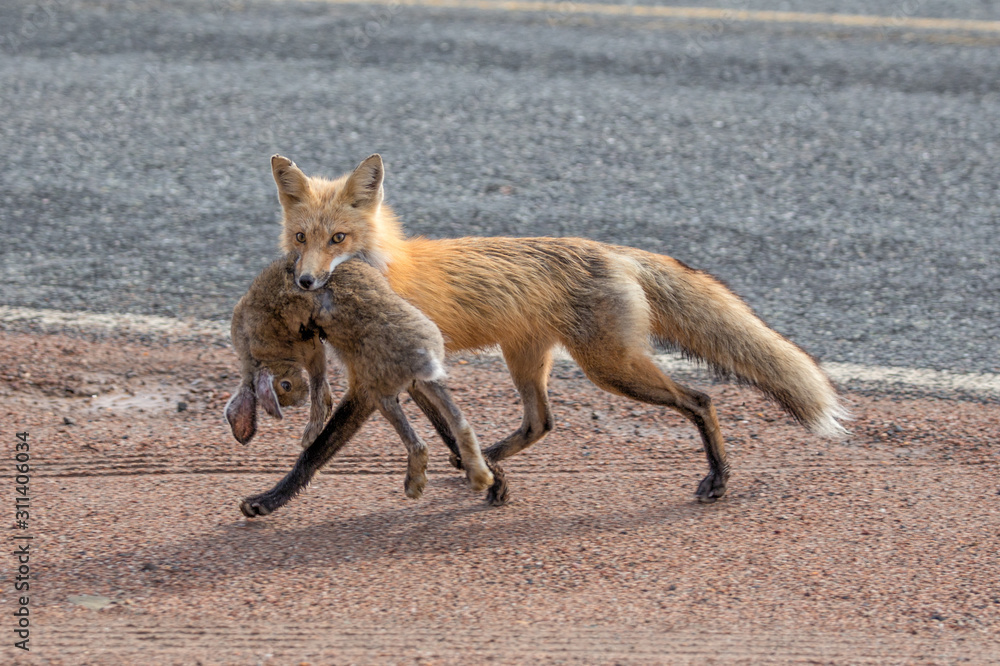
(843, 181)
(878, 549)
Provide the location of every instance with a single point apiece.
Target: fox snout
(308, 282)
(309, 270)
(313, 268)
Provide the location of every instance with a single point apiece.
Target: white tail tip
(828, 425)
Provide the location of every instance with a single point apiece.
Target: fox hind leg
(631, 373)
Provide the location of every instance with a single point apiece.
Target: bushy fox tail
(697, 313)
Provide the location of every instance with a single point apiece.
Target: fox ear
(241, 413)
(292, 183)
(265, 393)
(365, 184)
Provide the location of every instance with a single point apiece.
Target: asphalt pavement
(843, 180)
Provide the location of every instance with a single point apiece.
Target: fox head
(326, 222)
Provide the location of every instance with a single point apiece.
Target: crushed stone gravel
(881, 548)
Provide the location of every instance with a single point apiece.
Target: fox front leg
(498, 493)
(439, 422)
(476, 470)
(347, 419)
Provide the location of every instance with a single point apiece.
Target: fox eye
(300, 237)
(338, 238)
(286, 385)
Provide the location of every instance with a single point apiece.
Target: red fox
(605, 304)
(387, 346)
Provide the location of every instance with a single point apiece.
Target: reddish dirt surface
(882, 548)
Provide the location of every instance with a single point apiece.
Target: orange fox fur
(605, 304)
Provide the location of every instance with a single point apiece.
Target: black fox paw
(498, 494)
(258, 505)
(455, 461)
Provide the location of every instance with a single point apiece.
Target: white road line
(125, 323)
(974, 383)
(562, 8)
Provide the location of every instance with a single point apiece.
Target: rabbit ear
(266, 395)
(241, 413)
